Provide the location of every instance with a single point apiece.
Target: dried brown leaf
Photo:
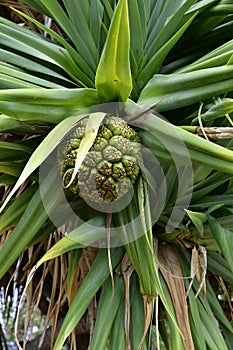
(172, 273)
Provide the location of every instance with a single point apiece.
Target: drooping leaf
(43, 151)
(30, 222)
(110, 301)
(179, 90)
(93, 281)
(16, 208)
(47, 106)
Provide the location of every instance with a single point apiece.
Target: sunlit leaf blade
(113, 76)
(203, 315)
(178, 90)
(25, 63)
(68, 26)
(14, 77)
(28, 44)
(46, 147)
(96, 17)
(136, 20)
(93, 281)
(20, 148)
(49, 106)
(86, 19)
(217, 57)
(83, 235)
(210, 327)
(11, 169)
(197, 219)
(78, 68)
(8, 123)
(196, 324)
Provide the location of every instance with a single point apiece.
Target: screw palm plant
(168, 274)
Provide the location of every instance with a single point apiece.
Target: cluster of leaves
(175, 53)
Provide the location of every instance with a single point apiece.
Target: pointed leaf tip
(113, 76)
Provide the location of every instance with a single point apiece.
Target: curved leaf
(43, 151)
(49, 106)
(91, 284)
(179, 90)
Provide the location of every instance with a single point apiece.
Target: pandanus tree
(116, 170)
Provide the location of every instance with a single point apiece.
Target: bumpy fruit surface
(111, 166)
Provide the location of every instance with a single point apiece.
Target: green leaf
(7, 180)
(16, 208)
(15, 147)
(175, 334)
(58, 13)
(224, 239)
(113, 76)
(211, 330)
(17, 78)
(28, 64)
(8, 123)
(159, 55)
(196, 323)
(91, 284)
(138, 242)
(219, 266)
(11, 168)
(117, 335)
(86, 19)
(136, 308)
(75, 65)
(198, 150)
(43, 151)
(198, 219)
(216, 110)
(33, 218)
(29, 44)
(136, 20)
(74, 258)
(110, 301)
(85, 234)
(216, 308)
(45, 105)
(179, 90)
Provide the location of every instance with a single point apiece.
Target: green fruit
(111, 166)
